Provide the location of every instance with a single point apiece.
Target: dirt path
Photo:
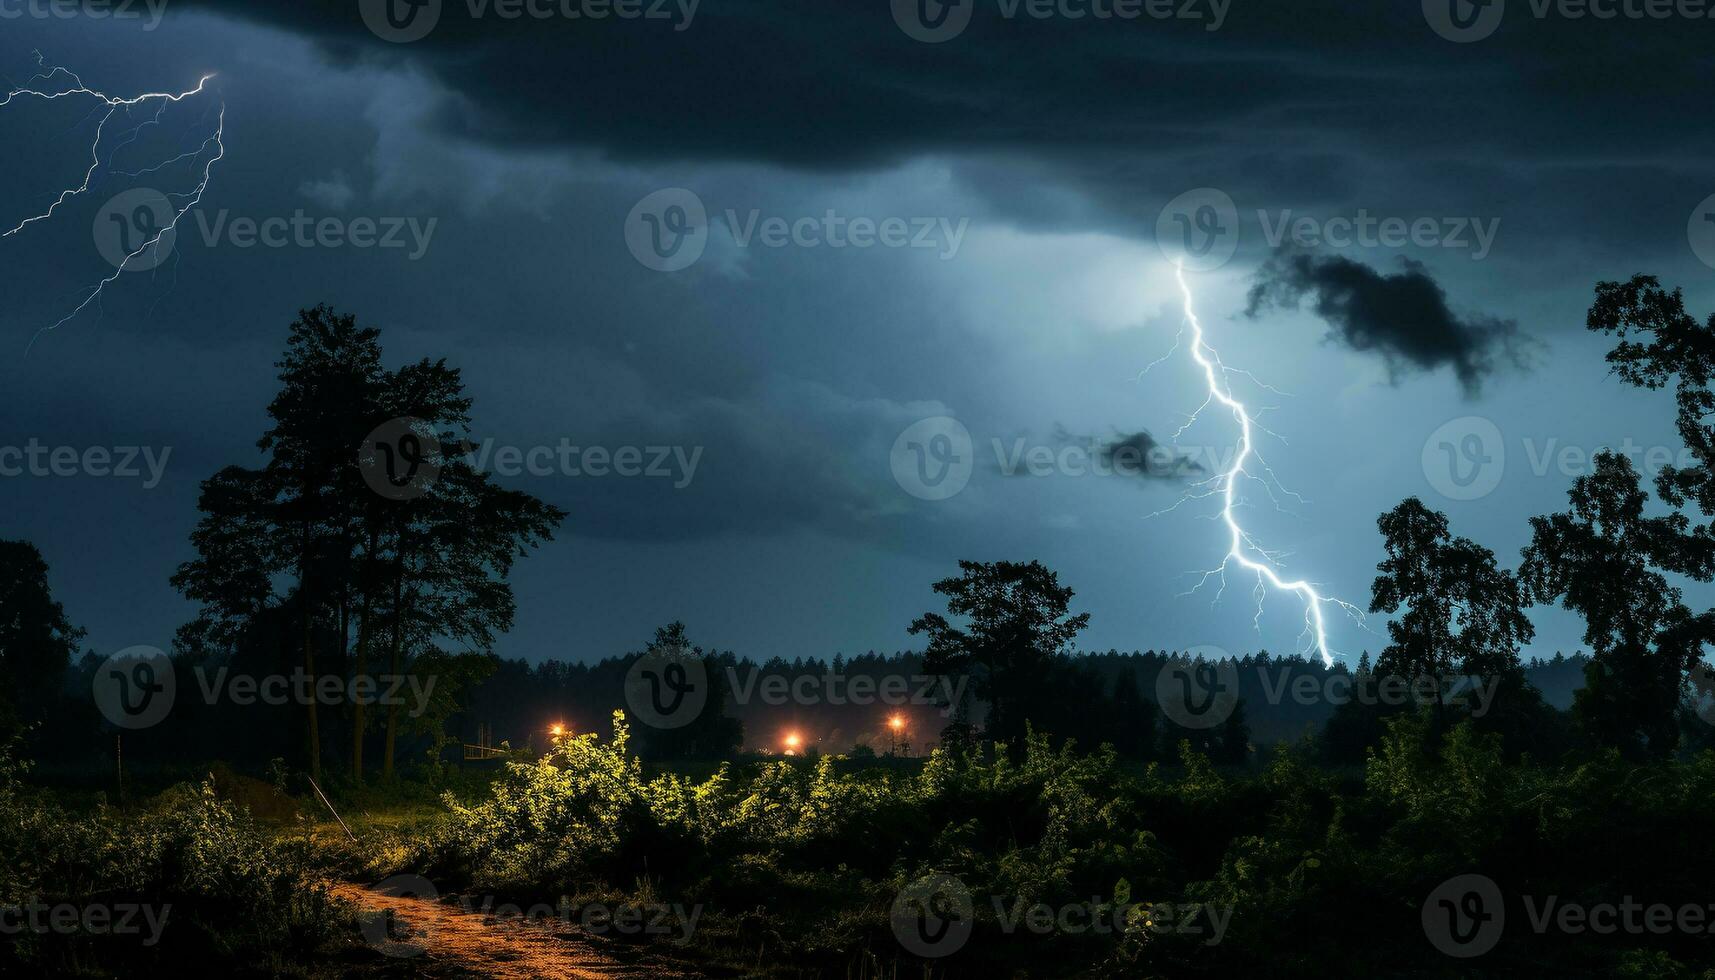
(446, 936)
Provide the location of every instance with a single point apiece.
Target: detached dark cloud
(1138, 455)
(1403, 318)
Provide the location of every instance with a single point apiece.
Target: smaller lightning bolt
(1241, 547)
(55, 82)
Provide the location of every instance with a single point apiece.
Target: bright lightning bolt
(59, 83)
(1242, 547)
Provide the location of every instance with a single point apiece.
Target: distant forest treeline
(521, 700)
(517, 702)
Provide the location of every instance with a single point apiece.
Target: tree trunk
(361, 669)
(397, 667)
(358, 706)
(315, 733)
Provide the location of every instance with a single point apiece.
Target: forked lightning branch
(156, 216)
(1243, 549)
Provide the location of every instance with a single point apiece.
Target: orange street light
(900, 746)
(792, 743)
(557, 730)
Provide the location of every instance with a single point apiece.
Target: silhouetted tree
(1601, 560)
(444, 557)
(36, 639)
(1358, 722)
(1462, 612)
(232, 576)
(1660, 343)
(329, 376)
(1673, 347)
(1462, 615)
(432, 565)
(712, 734)
(456, 676)
(1233, 745)
(1133, 726)
(1017, 625)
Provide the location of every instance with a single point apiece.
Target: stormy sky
(903, 227)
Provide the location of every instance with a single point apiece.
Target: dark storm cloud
(1063, 124)
(838, 86)
(1403, 317)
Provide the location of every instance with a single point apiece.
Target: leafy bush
(225, 893)
(1311, 872)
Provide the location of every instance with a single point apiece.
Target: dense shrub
(226, 895)
(1313, 873)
